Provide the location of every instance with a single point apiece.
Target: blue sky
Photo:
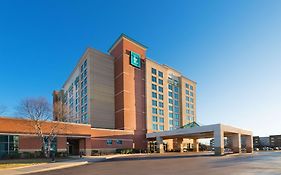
(230, 48)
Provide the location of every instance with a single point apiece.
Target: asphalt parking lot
(259, 163)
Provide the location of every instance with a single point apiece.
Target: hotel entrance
(152, 146)
(73, 146)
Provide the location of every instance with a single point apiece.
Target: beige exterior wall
(101, 90)
(184, 118)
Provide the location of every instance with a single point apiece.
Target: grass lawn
(5, 164)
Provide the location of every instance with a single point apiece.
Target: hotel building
(110, 101)
(125, 90)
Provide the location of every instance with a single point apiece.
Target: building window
(191, 87)
(170, 108)
(161, 112)
(161, 127)
(160, 81)
(161, 104)
(191, 100)
(160, 74)
(161, 120)
(9, 144)
(176, 89)
(119, 142)
(187, 92)
(160, 89)
(170, 94)
(154, 103)
(154, 118)
(154, 126)
(170, 87)
(176, 96)
(187, 85)
(154, 110)
(154, 79)
(171, 115)
(153, 71)
(191, 94)
(154, 95)
(176, 109)
(176, 102)
(170, 101)
(161, 97)
(85, 63)
(154, 87)
(109, 142)
(171, 122)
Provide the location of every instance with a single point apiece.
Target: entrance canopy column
(160, 146)
(236, 143)
(249, 143)
(195, 145)
(219, 141)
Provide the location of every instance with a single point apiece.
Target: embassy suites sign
(135, 59)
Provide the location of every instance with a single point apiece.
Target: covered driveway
(216, 131)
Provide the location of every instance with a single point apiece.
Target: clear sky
(232, 49)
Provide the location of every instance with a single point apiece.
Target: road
(261, 163)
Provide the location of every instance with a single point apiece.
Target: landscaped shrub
(62, 154)
(129, 151)
(95, 152)
(27, 155)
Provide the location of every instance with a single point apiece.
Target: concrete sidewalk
(76, 161)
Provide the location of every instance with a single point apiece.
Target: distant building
(275, 141)
(260, 142)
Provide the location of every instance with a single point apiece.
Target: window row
(157, 127)
(154, 72)
(154, 87)
(154, 103)
(154, 95)
(187, 92)
(188, 86)
(156, 111)
(118, 142)
(157, 119)
(154, 79)
(84, 65)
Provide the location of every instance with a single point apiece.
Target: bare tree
(3, 109)
(39, 112)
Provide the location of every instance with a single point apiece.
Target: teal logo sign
(135, 59)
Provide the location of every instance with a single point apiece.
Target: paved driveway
(261, 163)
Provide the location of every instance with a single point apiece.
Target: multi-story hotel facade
(125, 90)
(121, 100)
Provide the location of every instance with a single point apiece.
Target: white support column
(236, 143)
(249, 143)
(219, 141)
(160, 146)
(195, 145)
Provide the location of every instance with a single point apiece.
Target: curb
(56, 168)
(16, 168)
